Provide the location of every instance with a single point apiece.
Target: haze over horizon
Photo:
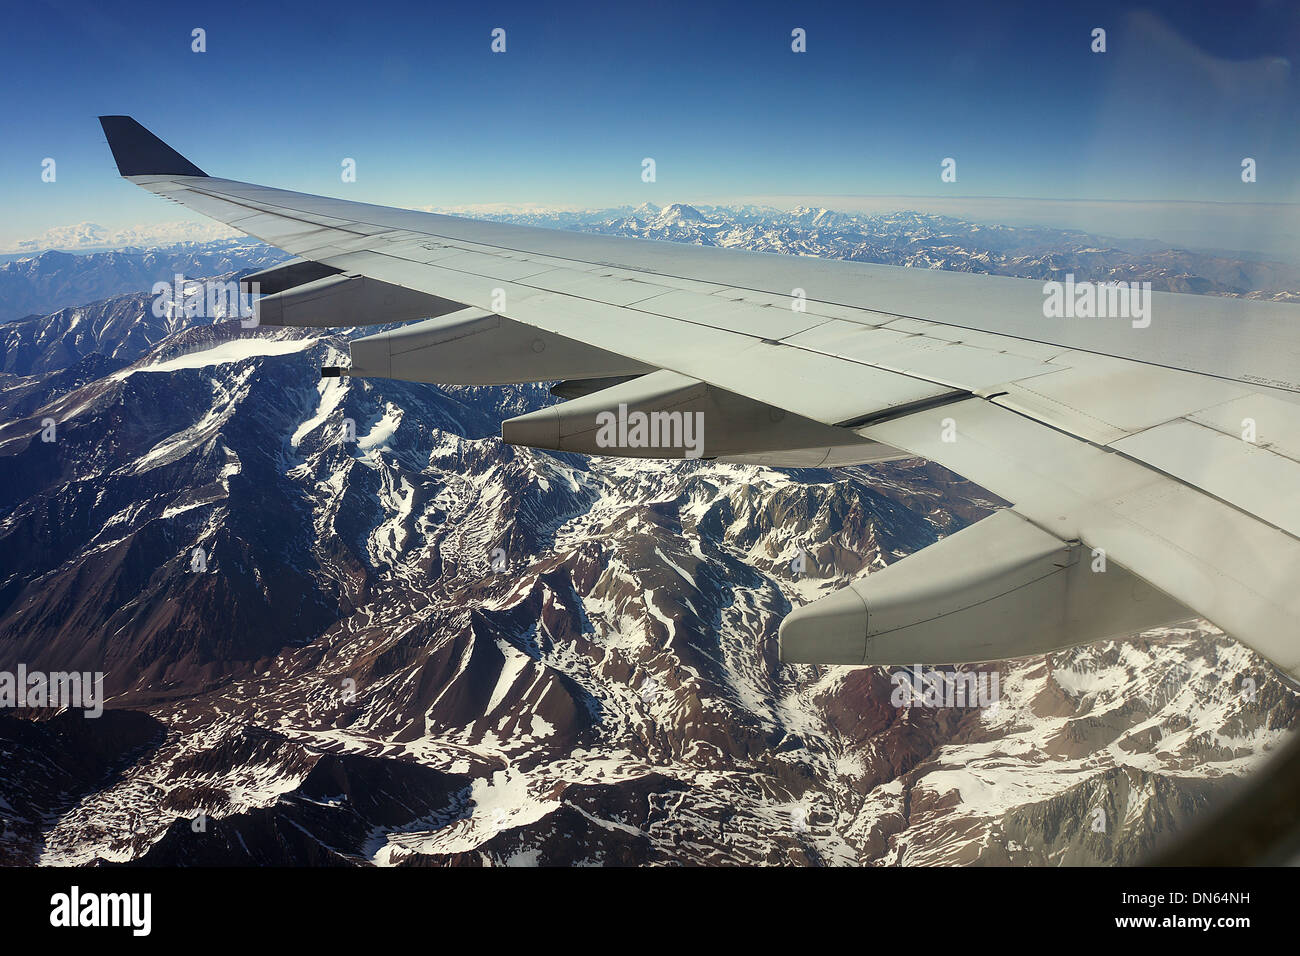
(1265, 230)
(723, 105)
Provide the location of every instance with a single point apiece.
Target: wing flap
(1233, 568)
(1236, 471)
(1102, 399)
(955, 364)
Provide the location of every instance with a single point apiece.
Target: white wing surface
(1152, 462)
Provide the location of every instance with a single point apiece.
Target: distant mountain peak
(681, 212)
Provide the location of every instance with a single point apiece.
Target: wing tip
(139, 152)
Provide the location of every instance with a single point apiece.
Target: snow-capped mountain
(927, 241)
(409, 644)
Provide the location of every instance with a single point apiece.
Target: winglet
(139, 152)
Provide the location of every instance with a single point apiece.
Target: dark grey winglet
(139, 152)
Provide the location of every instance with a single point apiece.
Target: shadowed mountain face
(341, 623)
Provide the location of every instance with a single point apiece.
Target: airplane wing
(1152, 460)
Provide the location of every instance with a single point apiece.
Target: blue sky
(713, 93)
